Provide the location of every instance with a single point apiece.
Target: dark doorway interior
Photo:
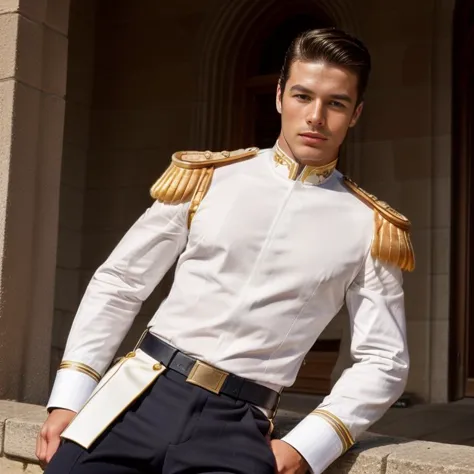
(462, 284)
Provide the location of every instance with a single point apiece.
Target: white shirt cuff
(71, 390)
(316, 441)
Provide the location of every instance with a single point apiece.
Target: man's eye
(336, 103)
(303, 97)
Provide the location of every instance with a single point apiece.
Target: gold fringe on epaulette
(201, 189)
(177, 184)
(392, 244)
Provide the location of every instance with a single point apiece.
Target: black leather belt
(208, 377)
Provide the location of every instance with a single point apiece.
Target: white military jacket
(268, 260)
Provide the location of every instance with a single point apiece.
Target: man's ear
(356, 115)
(278, 98)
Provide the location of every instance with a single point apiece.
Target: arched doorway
(462, 285)
(260, 123)
(240, 66)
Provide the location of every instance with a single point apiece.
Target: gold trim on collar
(320, 173)
(83, 368)
(282, 158)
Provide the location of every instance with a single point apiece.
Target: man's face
(317, 108)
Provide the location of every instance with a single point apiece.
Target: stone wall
(33, 66)
(73, 172)
(373, 454)
(403, 154)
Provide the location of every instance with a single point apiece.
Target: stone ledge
(379, 454)
(373, 454)
(19, 426)
(9, 466)
(434, 458)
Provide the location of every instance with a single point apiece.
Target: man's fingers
(42, 446)
(38, 445)
(52, 447)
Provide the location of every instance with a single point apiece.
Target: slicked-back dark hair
(330, 46)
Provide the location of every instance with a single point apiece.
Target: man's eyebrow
(300, 88)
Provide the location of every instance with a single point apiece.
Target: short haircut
(330, 46)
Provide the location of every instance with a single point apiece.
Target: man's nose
(316, 116)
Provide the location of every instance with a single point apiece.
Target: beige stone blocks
(136, 168)
(29, 68)
(16, 217)
(368, 456)
(19, 424)
(9, 466)
(442, 202)
(441, 251)
(419, 457)
(441, 156)
(34, 56)
(63, 321)
(116, 209)
(53, 13)
(8, 44)
(77, 123)
(439, 360)
(419, 347)
(69, 248)
(57, 15)
(7, 94)
(389, 116)
(96, 246)
(67, 289)
(412, 158)
(33, 53)
(9, 6)
(71, 208)
(415, 201)
(54, 63)
(33, 9)
(163, 127)
(440, 297)
(377, 161)
(73, 173)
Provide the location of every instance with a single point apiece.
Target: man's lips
(313, 135)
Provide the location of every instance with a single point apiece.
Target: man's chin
(315, 159)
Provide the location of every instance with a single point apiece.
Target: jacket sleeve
(114, 297)
(364, 392)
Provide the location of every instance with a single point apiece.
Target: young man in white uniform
(270, 244)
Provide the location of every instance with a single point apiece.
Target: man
(270, 244)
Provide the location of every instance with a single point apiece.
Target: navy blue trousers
(176, 428)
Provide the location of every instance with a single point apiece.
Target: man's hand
(288, 460)
(48, 439)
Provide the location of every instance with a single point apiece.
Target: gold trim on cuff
(85, 369)
(339, 427)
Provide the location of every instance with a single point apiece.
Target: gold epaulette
(391, 243)
(189, 176)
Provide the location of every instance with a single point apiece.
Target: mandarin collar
(288, 167)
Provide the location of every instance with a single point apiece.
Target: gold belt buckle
(206, 376)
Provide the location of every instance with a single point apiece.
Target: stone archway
(232, 33)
